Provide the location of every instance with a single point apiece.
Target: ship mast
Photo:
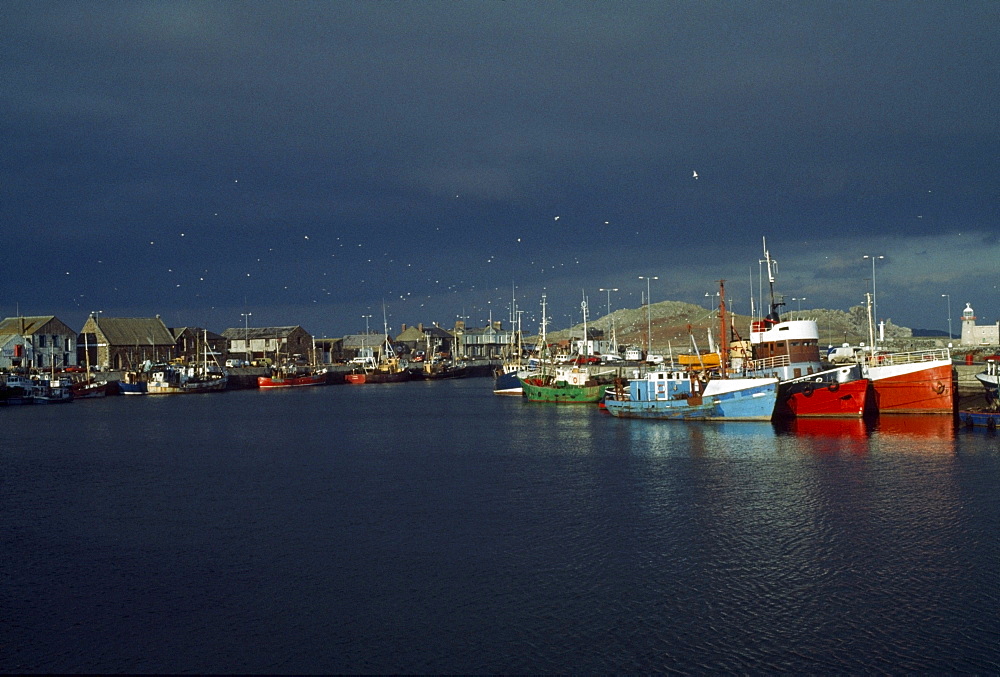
(723, 335)
(772, 266)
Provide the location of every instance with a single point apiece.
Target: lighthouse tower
(968, 326)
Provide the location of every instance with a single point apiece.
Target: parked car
(610, 357)
(654, 359)
(74, 368)
(586, 359)
(231, 363)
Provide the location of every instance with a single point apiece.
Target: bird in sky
(694, 175)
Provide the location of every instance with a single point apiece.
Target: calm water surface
(435, 527)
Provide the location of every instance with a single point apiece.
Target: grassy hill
(675, 322)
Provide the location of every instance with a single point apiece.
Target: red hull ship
(808, 387)
(291, 381)
(921, 382)
(824, 399)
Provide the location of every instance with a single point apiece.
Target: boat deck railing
(766, 363)
(912, 357)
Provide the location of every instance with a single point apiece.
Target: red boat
(808, 387)
(281, 379)
(85, 390)
(820, 396)
(918, 382)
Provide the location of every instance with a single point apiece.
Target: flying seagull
(694, 175)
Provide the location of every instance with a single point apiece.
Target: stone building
(126, 343)
(278, 344)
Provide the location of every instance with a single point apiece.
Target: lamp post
(246, 336)
(614, 339)
(873, 257)
(800, 299)
(649, 317)
(948, 296)
(96, 316)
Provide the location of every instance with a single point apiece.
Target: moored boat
(17, 389)
(385, 368)
(990, 379)
(87, 390)
(683, 395)
(567, 385)
(290, 377)
(915, 382)
(789, 350)
(171, 379)
(980, 418)
(52, 391)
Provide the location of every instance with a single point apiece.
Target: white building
(37, 342)
(978, 335)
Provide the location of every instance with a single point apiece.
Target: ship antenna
(772, 267)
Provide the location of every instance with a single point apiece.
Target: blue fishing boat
(985, 418)
(680, 395)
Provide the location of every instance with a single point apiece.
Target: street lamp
(873, 257)
(246, 336)
(614, 339)
(649, 317)
(800, 299)
(948, 296)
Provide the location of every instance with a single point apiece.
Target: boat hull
(980, 419)
(752, 403)
(268, 382)
(808, 399)
(376, 377)
(88, 391)
(155, 388)
(535, 391)
(132, 388)
(507, 383)
(914, 388)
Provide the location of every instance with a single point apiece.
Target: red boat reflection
(937, 426)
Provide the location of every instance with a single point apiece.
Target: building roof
(242, 333)
(135, 331)
(352, 341)
(26, 326)
(198, 331)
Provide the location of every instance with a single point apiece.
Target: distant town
(42, 342)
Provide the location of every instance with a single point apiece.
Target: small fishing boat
(987, 417)
(175, 379)
(17, 389)
(90, 389)
(292, 377)
(567, 385)
(52, 391)
(384, 368)
(990, 378)
(686, 395)
(570, 383)
(180, 379)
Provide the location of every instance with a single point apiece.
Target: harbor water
(432, 527)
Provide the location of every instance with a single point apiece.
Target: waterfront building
(489, 342)
(268, 343)
(36, 342)
(190, 342)
(126, 343)
(978, 335)
(359, 345)
(419, 337)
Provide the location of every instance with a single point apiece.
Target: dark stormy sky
(306, 162)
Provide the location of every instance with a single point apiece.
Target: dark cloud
(444, 138)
